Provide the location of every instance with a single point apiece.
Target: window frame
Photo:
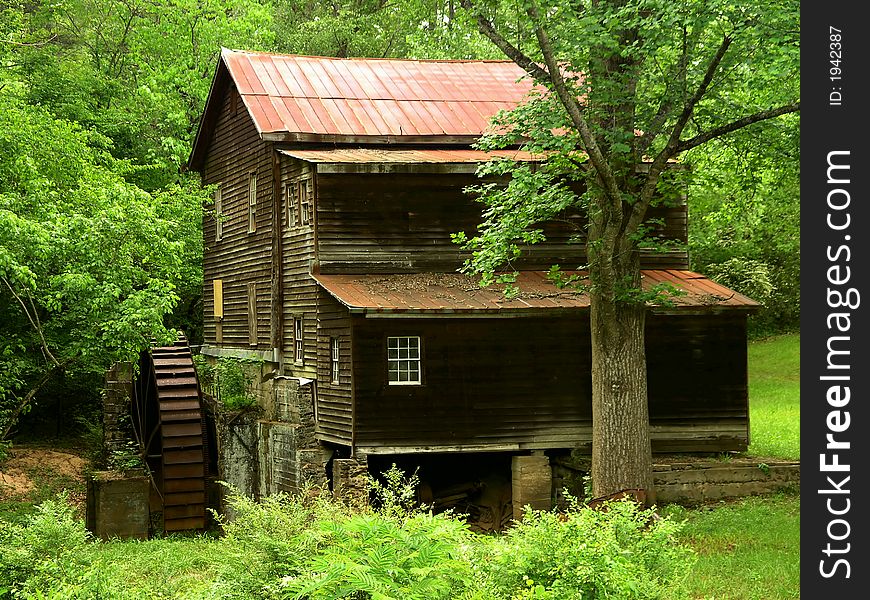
(290, 200)
(407, 361)
(298, 340)
(252, 202)
(335, 359)
(218, 214)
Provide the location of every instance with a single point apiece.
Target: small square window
(403, 360)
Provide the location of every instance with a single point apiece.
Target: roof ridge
(368, 58)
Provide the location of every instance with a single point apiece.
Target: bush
(228, 380)
(622, 552)
(43, 554)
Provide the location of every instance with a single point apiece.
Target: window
(304, 188)
(252, 314)
(298, 347)
(334, 353)
(218, 215)
(290, 201)
(252, 203)
(403, 360)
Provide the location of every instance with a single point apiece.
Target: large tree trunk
(621, 453)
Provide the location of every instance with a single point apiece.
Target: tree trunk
(621, 453)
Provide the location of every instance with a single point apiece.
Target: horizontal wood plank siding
(300, 289)
(484, 382)
(370, 223)
(334, 400)
(239, 258)
(527, 382)
(697, 382)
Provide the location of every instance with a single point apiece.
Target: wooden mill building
(329, 257)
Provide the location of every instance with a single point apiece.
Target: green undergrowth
(311, 547)
(774, 397)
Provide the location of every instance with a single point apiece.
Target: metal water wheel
(169, 423)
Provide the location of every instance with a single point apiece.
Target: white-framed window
(298, 342)
(252, 202)
(403, 360)
(218, 214)
(334, 356)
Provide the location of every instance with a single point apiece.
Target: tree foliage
(90, 264)
(626, 88)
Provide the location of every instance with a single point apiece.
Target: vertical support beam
(532, 483)
(276, 316)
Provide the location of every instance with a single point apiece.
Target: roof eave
(196, 160)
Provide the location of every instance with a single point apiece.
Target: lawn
(750, 549)
(774, 397)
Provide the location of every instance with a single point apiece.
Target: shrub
(47, 552)
(228, 380)
(622, 552)
(376, 556)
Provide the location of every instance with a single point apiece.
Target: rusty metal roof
(407, 156)
(373, 97)
(370, 160)
(452, 293)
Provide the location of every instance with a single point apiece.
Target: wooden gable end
(234, 160)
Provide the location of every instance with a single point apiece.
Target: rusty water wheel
(168, 420)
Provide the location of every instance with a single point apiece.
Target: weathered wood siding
(527, 381)
(394, 223)
(300, 289)
(696, 377)
(334, 399)
(239, 258)
(485, 381)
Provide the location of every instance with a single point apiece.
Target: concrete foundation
(531, 483)
(117, 506)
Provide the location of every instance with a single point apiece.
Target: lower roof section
(446, 294)
(405, 160)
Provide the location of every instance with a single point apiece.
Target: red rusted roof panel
(454, 292)
(386, 96)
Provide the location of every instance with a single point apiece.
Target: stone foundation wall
(271, 448)
(117, 395)
(350, 480)
(694, 482)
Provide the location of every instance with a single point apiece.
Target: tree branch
(572, 106)
(35, 323)
(689, 107)
(486, 27)
(764, 115)
(13, 418)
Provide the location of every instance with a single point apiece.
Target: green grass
(774, 397)
(746, 550)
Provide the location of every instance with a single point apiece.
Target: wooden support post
(276, 317)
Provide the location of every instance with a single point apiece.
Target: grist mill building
(328, 259)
